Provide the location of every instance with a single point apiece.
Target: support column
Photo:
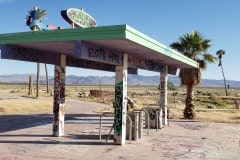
(163, 94)
(120, 102)
(59, 98)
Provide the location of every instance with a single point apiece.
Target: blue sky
(163, 20)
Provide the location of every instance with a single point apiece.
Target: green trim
(96, 33)
(141, 39)
(104, 32)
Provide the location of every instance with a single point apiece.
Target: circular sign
(78, 17)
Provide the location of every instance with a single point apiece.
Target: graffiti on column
(118, 108)
(162, 91)
(59, 99)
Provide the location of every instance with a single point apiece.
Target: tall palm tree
(220, 53)
(37, 81)
(194, 46)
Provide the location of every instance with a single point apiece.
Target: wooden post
(38, 77)
(163, 94)
(120, 102)
(30, 85)
(59, 98)
(46, 71)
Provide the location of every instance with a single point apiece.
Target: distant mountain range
(105, 80)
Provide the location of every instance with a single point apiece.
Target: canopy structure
(120, 49)
(144, 52)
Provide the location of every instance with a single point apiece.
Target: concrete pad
(29, 137)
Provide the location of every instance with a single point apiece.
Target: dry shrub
(13, 106)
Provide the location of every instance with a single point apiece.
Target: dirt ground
(29, 137)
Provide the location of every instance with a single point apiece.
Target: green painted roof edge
(101, 32)
(142, 39)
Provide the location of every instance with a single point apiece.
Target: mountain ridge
(110, 80)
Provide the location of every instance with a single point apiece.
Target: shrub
(171, 86)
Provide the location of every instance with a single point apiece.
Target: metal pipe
(100, 128)
(130, 128)
(146, 112)
(157, 119)
(110, 133)
(100, 123)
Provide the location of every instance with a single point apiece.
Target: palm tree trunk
(189, 112)
(47, 78)
(224, 81)
(30, 85)
(38, 75)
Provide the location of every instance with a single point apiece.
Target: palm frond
(194, 46)
(190, 76)
(220, 53)
(209, 58)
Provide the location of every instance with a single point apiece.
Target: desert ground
(211, 104)
(26, 126)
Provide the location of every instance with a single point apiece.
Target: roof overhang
(119, 39)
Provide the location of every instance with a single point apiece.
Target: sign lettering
(78, 17)
(96, 53)
(28, 54)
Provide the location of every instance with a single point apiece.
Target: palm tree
(40, 15)
(220, 53)
(194, 46)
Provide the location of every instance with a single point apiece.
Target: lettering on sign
(135, 61)
(154, 66)
(138, 62)
(21, 53)
(78, 17)
(99, 54)
(28, 54)
(82, 63)
(103, 55)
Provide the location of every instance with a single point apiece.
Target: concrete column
(120, 102)
(59, 98)
(163, 93)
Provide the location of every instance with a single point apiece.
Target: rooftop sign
(78, 17)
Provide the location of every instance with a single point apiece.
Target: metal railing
(159, 114)
(100, 122)
(109, 115)
(146, 121)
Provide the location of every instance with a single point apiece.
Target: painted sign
(151, 65)
(89, 57)
(83, 63)
(78, 17)
(96, 53)
(28, 54)
(134, 61)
